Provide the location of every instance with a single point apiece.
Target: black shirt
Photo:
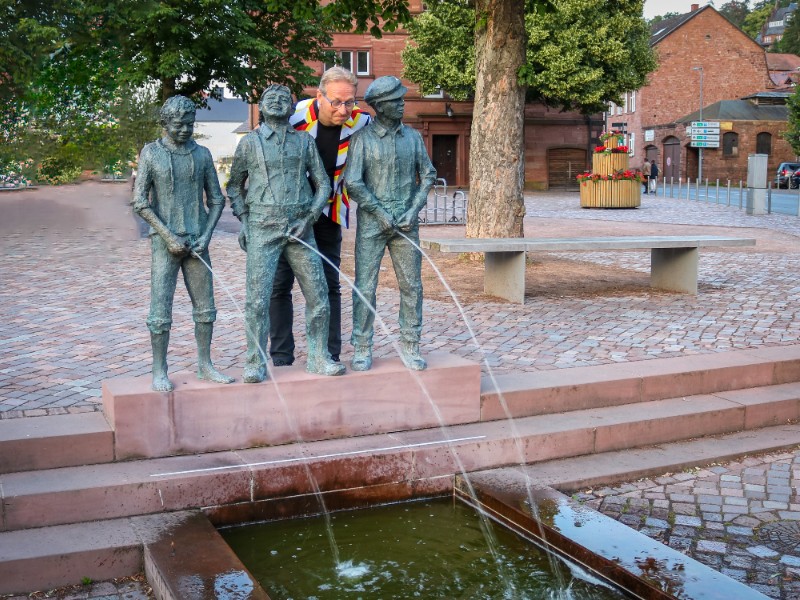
(328, 146)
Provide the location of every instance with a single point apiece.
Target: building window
(764, 143)
(633, 101)
(625, 103)
(439, 93)
(344, 58)
(631, 144)
(730, 144)
(362, 62)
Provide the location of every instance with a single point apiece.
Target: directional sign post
(704, 134)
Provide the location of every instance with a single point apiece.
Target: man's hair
(177, 106)
(337, 74)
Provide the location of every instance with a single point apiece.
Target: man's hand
(243, 237)
(177, 245)
(297, 229)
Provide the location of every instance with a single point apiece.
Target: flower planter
(607, 164)
(622, 193)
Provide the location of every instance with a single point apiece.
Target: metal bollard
(729, 192)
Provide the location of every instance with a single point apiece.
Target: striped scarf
(305, 118)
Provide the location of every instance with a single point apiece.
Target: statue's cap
(383, 88)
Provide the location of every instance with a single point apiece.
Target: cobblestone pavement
(75, 297)
(740, 518)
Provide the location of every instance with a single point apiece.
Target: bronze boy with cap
(389, 175)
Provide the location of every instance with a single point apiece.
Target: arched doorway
(672, 158)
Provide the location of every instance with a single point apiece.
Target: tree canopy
(580, 53)
(187, 46)
(792, 133)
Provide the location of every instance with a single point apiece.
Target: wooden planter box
(607, 164)
(611, 194)
(612, 142)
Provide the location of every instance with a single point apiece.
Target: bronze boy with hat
(389, 175)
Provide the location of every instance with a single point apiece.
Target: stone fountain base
(293, 406)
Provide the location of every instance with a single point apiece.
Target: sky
(653, 8)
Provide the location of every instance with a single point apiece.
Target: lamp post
(700, 150)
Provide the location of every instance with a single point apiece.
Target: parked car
(784, 178)
(795, 182)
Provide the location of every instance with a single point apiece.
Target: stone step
(560, 390)
(395, 465)
(47, 557)
(35, 443)
(181, 553)
(74, 440)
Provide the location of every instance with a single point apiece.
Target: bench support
(674, 269)
(504, 275)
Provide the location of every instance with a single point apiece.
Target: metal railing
(728, 193)
(443, 209)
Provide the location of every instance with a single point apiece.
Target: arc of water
(450, 444)
(289, 419)
(509, 417)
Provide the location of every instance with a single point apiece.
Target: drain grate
(783, 536)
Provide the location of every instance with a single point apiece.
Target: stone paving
(74, 304)
(75, 296)
(741, 518)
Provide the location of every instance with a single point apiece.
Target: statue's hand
(407, 221)
(177, 245)
(297, 229)
(386, 222)
(200, 245)
(243, 238)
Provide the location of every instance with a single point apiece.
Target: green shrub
(56, 170)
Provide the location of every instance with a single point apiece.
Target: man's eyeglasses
(337, 104)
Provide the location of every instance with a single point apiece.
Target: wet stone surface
(123, 588)
(741, 518)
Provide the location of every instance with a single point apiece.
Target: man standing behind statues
(278, 207)
(330, 118)
(389, 175)
(173, 174)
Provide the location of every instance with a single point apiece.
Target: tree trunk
(167, 88)
(497, 147)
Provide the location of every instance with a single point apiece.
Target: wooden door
(672, 159)
(444, 157)
(563, 165)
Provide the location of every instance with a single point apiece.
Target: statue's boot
(409, 353)
(362, 358)
(159, 343)
(324, 365)
(205, 369)
(254, 374)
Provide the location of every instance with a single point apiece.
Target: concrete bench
(673, 259)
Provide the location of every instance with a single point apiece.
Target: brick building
(754, 124)
(701, 46)
(557, 144)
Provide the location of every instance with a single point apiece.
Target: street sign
(700, 144)
(705, 124)
(704, 130)
(696, 137)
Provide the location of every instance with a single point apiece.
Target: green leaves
(581, 53)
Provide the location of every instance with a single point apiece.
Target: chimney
(695, 7)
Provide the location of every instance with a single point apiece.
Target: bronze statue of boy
(277, 210)
(389, 175)
(174, 172)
